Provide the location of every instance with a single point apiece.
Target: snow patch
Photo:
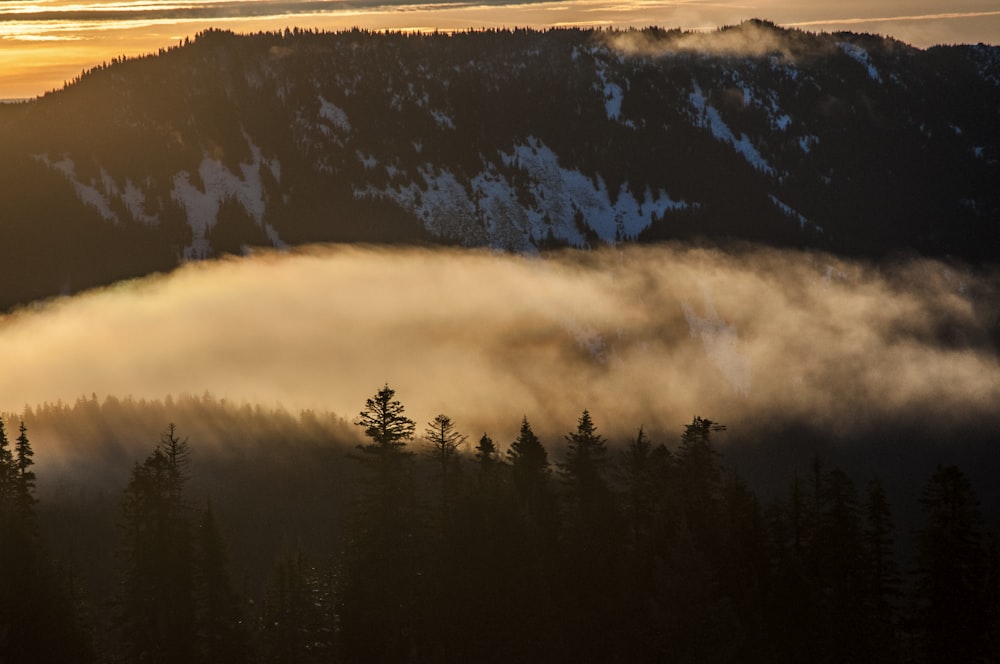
(707, 116)
(806, 143)
(788, 211)
(220, 184)
(443, 120)
(862, 57)
(135, 203)
(552, 202)
(613, 93)
(367, 160)
(87, 193)
(334, 115)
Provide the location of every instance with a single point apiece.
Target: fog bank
(639, 336)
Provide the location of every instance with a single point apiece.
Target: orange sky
(44, 43)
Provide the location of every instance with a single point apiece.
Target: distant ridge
(515, 139)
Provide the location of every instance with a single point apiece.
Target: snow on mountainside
(558, 204)
(517, 140)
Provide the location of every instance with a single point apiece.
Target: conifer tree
(585, 466)
(299, 624)
(530, 470)
(881, 575)
(840, 573)
(443, 444)
(24, 487)
(37, 619)
(443, 441)
(590, 585)
(156, 606)
(379, 582)
(220, 635)
(951, 569)
(385, 423)
(8, 470)
(487, 455)
(700, 482)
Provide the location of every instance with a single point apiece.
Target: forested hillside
(274, 538)
(518, 140)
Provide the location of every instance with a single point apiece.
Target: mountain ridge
(518, 140)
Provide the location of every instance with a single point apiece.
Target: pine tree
(590, 584)
(37, 618)
(24, 486)
(220, 634)
(585, 466)
(299, 624)
(156, 605)
(700, 482)
(883, 589)
(488, 457)
(443, 441)
(380, 580)
(530, 470)
(638, 478)
(951, 569)
(839, 558)
(8, 471)
(385, 423)
(443, 444)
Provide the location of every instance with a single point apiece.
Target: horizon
(45, 45)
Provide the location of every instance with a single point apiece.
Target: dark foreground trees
(953, 612)
(175, 602)
(38, 618)
(644, 552)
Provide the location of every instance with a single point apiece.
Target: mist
(639, 336)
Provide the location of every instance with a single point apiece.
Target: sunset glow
(45, 44)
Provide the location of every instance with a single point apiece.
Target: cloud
(941, 16)
(639, 336)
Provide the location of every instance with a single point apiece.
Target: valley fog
(638, 335)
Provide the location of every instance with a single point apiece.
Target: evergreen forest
(438, 545)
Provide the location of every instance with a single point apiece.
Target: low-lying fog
(639, 336)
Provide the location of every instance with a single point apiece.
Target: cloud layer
(640, 336)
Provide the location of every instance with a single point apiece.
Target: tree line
(642, 552)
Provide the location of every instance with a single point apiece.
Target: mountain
(519, 140)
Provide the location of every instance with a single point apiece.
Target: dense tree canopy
(645, 551)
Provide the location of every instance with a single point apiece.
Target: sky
(44, 43)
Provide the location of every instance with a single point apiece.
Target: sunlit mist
(98, 31)
(639, 336)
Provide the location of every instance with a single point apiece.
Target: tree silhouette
(488, 457)
(299, 624)
(443, 445)
(220, 634)
(24, 485)
(156, 607)
(589, 585)
(530, 468)
(37, 619)
(8, 469)
(585, 466)
(700, 482)
(881, 574)
(381, 575)
(384, 423)
(951, 569)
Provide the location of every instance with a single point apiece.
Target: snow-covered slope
(524, 141)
